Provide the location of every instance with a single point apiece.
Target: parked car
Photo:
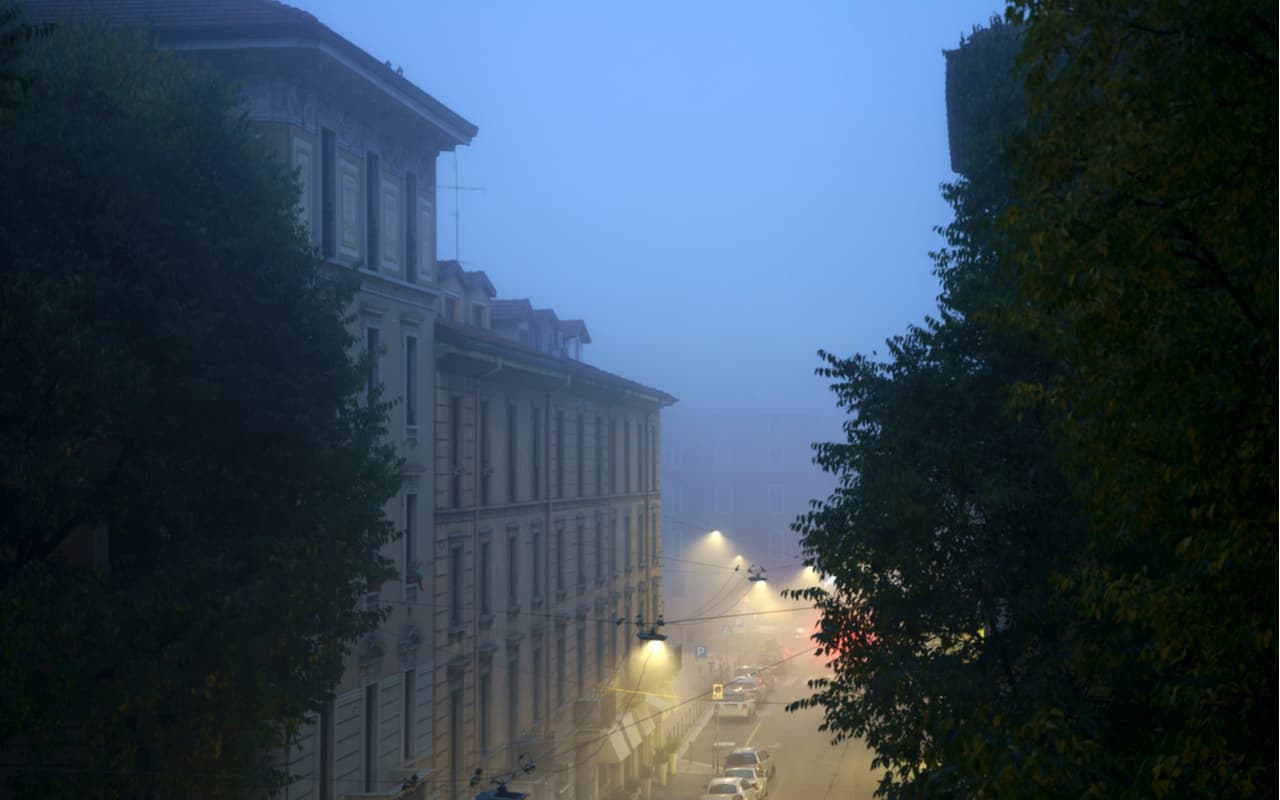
(751, 757)
(760, 674)
(755, 774)
(735, 705)
(731, 789)
(752, 686)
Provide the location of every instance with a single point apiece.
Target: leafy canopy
(1147, 262)
(192, 491)
(1077, 459)
(951, 516)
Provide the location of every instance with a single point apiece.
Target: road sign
(699, 651)
(717, 691)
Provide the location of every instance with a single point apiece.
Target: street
(808, 766)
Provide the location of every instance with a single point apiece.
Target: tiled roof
(575, 327)
(463, 335)
(509, 309)
(471, 280)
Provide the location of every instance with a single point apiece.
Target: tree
(951, 517)
(14, 35)
(1146, 247)
(177, 386)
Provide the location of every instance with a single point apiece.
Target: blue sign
(699, 651)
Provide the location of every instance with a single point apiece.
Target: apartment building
(547, 532)
(530, 500)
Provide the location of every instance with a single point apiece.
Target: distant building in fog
(749, 476)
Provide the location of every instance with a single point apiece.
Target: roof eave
(457, 130)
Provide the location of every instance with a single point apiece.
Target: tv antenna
(458, 188)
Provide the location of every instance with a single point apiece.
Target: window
(580, 446)
(370, 736)
(537, 678)
(599, 456)
(486, 600)
(452, 308)
(653, 537)
(513, 575)
(486, 469)
(613, 543)
(410, 679)
(560, 666)
(600, 649)
(455, 451)
(372, 211)
(478, 315)
(580, 555)
(613, 643)
(455, 741)
(613, 461)
(328, 187)
(653, 459)
(626, 541)
(626, 456)
(626, 640)
(373, 349)
(535, 548)
(455, 585)
(411, 227)
(536, 450)
(559, 454)
(411, 567)
(486, 710)
(513, 698)
(411, 382)
(511, 452)
(640, 452)
(582, 657)
(559, 558)
(599, 550)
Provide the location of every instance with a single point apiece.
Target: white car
(751, 757)
(754, 774)
(736, 708)
(731, 789)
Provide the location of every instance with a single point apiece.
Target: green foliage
(14, 36)
(951, 519)
(1147, 255)
(176, 373)
(1111, 280)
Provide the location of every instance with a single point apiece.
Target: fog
(718, 188)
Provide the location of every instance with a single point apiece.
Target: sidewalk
(694, 768)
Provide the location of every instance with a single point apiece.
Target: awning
(614, 750)
(658, 703)
(631, 729)
(645, 722)
(656, 707)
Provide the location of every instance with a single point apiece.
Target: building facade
(530, 499)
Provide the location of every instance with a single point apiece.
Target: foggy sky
(718, 188)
